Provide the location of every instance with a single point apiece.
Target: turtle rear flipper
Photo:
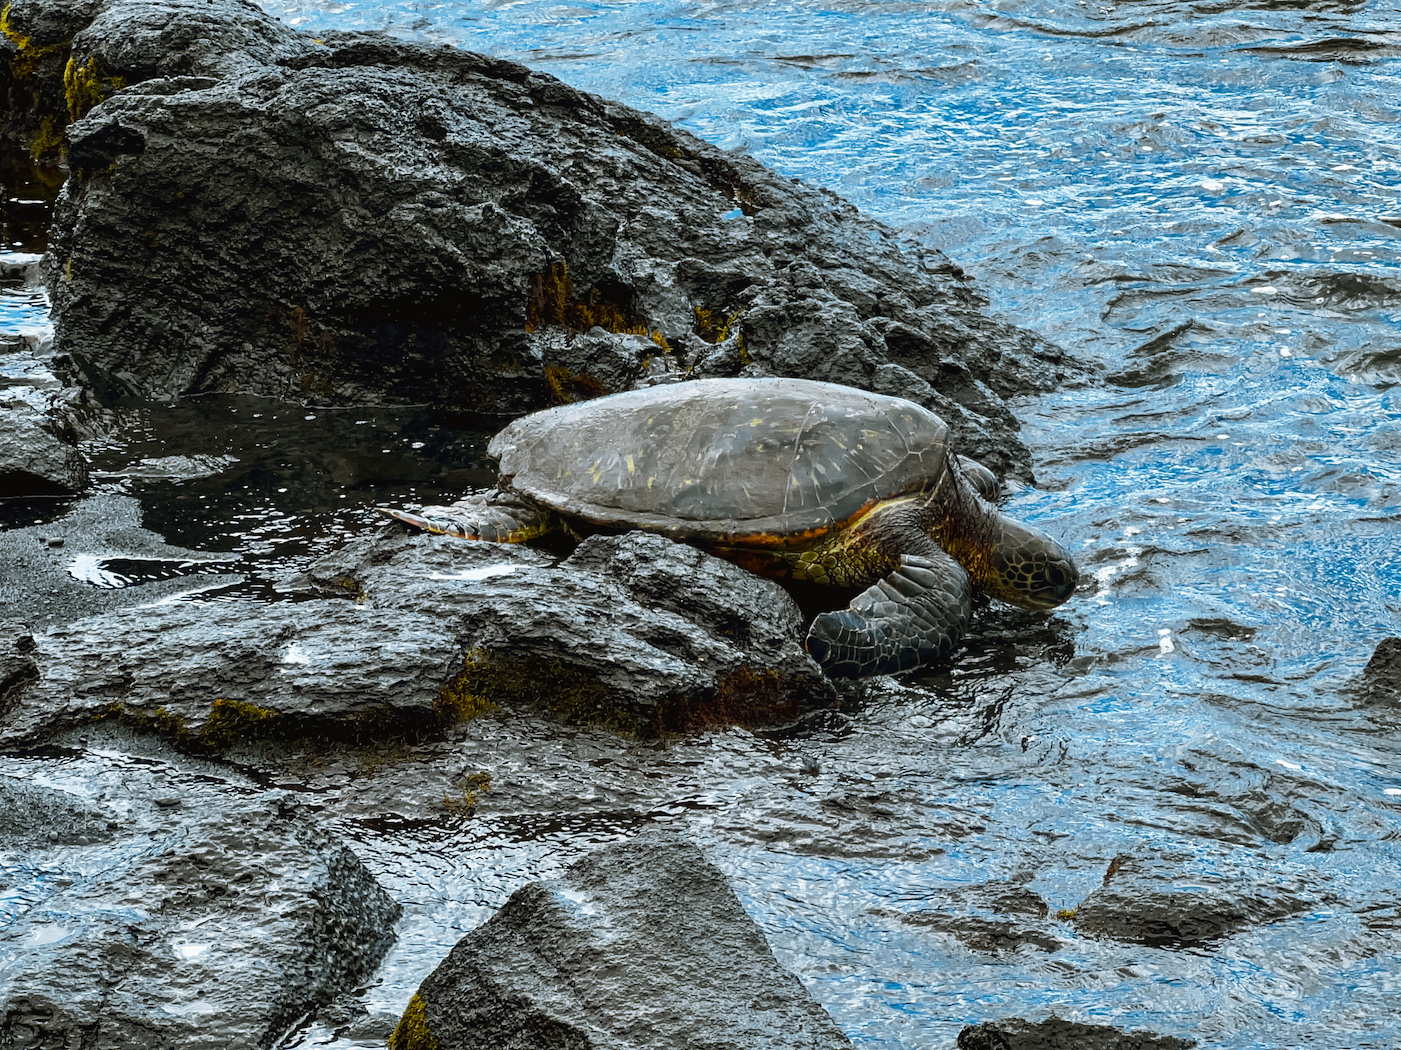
(483, 516)
(912, 617)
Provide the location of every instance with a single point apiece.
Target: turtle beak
(1055, 581)
(1033, 570)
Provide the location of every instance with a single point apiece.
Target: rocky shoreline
(357, 220)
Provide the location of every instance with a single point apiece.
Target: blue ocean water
(1203, 197)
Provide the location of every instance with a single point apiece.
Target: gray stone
(1172, 900)
(635, 632)
(210, 675)
(639, 945)
(1013, 1033)
(33, 460)
(218, 924)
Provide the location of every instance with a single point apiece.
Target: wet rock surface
(1170, 901)
(634, 631)
(1056, 1034)
(157, 916)
(358, 219)
(33, 461)
(992, 917)
(640, 945)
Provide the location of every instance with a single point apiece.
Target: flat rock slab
(1056, 1034)
(154, 915)
(1174, 901)
(210, 674)
(640, 945)
(634, 632)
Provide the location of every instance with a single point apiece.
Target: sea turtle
(789, 478)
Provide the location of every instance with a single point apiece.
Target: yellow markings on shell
(649, 481)
(596, 470)
(632, 467)
(756, 421)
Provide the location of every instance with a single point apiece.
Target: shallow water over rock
(1202, 197)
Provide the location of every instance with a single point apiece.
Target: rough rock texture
(361, 219)
(33, 460)
(634, 631)
(639, 945)
(146, 924)
(211, 674)
(1055, 1034)
(1380, 680)
(1169, 901)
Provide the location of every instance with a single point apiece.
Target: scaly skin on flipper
(913, 617)
(481, 517)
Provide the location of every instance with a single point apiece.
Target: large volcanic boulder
(640, 945)
(360, 219)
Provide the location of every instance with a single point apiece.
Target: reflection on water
(1200, 195)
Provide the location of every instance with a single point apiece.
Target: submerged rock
(136, 921)
(360, 219)
(988, 917)
(639, 945)
(1013, 1033)
(1169, 901)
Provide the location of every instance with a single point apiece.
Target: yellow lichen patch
(711, 327)
(551, 302)
(566, 691)
(567, 387)
(48, 140)
(159, 721)
(745, 696)
(412, 1032)
(465, 696)
(84, 87)
(230, 720)
(464, 804)
(29, 54)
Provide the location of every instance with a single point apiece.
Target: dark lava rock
(1169, 901)
(1055, 1034)
(34, 461)
(1380, 680)
(988, 917)
(209, 675)
(216, 926)
(368, 220)
(35, 815)
(635, 632)
(639, 945)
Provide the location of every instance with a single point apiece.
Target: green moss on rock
(412, 1032)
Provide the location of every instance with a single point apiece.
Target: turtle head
(1028, 568)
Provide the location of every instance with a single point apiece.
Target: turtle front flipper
(484, 516)
(913, 617)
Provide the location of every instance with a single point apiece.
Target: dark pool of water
(1202, 196)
